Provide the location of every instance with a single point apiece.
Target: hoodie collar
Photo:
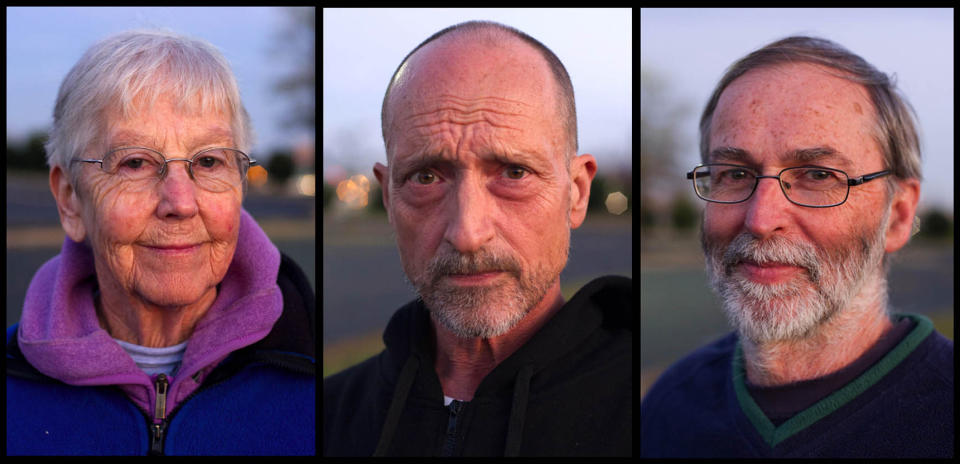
(60, 335)
(606, 301)
(602, 302)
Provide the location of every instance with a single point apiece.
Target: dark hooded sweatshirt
(567, 392)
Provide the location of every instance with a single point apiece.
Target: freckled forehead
(793, 106)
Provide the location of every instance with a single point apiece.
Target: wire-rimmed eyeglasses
(214, 169)
(810, 186)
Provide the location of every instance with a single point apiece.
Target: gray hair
(894, 126)
(140, 65)
(495, 33)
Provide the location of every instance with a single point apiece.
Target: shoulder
(350, 386)
(703, 370)
(610, 296)
(296, 288)
(933, 362)
(354, 406)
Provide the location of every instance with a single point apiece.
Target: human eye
(424, 177)
(819, 174)
(732, 174)
(133, 162)
(818, 177)
(211, 160)
(515, 172)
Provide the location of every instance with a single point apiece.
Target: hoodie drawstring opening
(400, 393)
(518, 411)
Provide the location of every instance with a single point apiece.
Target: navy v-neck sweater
(902, 406)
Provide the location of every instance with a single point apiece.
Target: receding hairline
(495, 34)
(487, 35)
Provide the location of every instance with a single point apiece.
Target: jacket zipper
(160, 413)
(157, 431)
(450, 443)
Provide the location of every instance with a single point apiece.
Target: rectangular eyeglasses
(810, 186)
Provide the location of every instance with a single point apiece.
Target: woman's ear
(68, 204)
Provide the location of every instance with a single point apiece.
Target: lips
(474, 278)
(765, 263)
(769, 272)
(185, 246)
(171, 250)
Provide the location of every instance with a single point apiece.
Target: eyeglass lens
(812, 186)
(215, 170)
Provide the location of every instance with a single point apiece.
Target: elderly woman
(169, 323)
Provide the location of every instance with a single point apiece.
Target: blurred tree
(935, 225)
(648, 218)
(298, 42)
(329, 193)
(280, 167)
(376, 199)
(599, 189)
(28, 154)
(661, 146)
(684, 213)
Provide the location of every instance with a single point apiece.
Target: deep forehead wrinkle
(469, 110)
(810, 155)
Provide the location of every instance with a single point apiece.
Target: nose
(767, 209)
(470, 211)
(178, 192)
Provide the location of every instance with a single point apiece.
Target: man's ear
(903, 209)
(382, 173)
(582, 170)
(68, 204)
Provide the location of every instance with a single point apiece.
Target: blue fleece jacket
(245, 386)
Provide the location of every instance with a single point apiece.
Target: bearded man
(811, 173)
(482, 187)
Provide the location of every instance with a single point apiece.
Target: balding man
(811, 173)
(482, 186)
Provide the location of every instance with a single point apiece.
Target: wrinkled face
(782, 269)
(164, 242)
(479, 193)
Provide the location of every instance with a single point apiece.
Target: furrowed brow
(416, 163)
(419, 162)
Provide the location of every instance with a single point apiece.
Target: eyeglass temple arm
(868, 177)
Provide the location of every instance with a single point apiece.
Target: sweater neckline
(773, 435)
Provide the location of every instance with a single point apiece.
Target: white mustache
(775, 250)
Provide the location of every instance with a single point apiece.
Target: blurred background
(683, 53)
(272, 53)
(361, 49)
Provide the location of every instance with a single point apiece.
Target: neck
(462, 363)
(135, 321)
(831, 347)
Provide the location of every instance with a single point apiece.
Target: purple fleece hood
(60, 336)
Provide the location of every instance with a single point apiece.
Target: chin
(174, 292)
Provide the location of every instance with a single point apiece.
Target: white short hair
(141, 65)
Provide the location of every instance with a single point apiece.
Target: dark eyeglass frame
(163, 168)
(850, 182)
